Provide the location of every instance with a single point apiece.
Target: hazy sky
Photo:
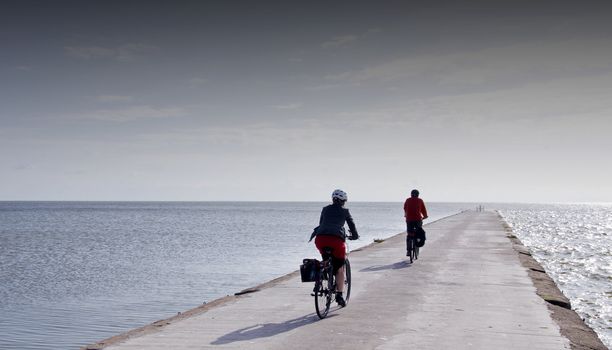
(288, 100)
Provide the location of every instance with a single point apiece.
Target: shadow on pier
(265, 330)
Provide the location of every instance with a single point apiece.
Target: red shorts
(336, 243)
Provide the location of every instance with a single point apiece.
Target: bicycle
(325, 284)
(411, 246)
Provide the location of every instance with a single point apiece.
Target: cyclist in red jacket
(415, 212)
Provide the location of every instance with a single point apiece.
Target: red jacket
(414, 209)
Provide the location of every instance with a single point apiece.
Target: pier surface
(467, 290)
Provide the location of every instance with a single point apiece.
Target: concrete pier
(467, 290)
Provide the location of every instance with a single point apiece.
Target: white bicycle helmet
(339, 194)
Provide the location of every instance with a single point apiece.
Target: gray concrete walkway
(466, 291)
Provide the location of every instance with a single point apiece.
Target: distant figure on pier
(330, 233)
(415, 212)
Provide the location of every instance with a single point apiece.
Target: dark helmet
(414, 193)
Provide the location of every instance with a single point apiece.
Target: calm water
(75, 273)
(574, 244)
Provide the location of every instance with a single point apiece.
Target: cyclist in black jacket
(331, 233)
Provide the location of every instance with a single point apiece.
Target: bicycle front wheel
(347, 280)
(323, 294)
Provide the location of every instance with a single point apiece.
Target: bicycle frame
(325, 285)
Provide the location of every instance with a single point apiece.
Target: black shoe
(340, 300)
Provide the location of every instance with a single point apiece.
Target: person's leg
(407, 235)
(410, 228)
(340, 280)
(340, 287)
(338, 260)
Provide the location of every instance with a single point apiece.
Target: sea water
(573, 242)
(72, 273)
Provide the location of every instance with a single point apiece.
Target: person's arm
(351, 225)
(313, 234)
(321, 217)
(424, 210)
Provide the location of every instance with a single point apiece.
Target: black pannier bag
(310, 269)
(420, 233)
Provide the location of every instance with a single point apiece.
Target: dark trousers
(414, 227)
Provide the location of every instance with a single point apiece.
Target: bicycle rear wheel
(413, 253)
(323, 292)
(410, 248)
(347, 280)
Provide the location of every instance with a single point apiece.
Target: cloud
(563, 106)
(289, 106)
(132, 113)
(322, 87)
(304, 132)
(374, 31)
(303, 135)
(349, 39)
(23, 68)
(113, 98)
(340, 41)
(24, 167)
(123, 53)
(470, 76)
(197, 81)
(520, 62)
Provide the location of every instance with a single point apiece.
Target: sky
(468, 101)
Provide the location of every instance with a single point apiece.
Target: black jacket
(333, 218)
